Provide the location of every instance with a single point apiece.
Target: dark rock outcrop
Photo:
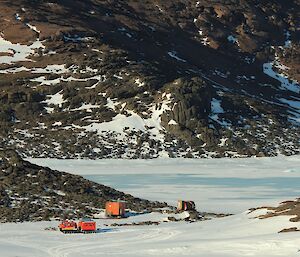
(31, 193)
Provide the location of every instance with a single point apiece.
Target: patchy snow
(173, 54)
(18, 18)
(172, 122)
(204, 41)
(47, 82)
(139, 82)
(14, 70)
(118, 124)
(217, 109)
(87, 107)
(59, 192)
(77, 39)
(132, 120)
(57, 123)
(159, 8)
(286, 83)
(223, 142)
(288, 41)
(232, 39)
(56, 99)
(294, 109)
(118, 77)
(292, 103)
(16, 52)
(275, 70)
(49, 69)
(111, 103)
(34, 28)
(52, 69)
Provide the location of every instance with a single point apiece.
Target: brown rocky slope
(32, 193)
(143, 79)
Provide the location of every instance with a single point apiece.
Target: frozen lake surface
(227, 185)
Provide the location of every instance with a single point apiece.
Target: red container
(87, 225)
(115, 209)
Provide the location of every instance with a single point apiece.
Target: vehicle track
(134, 237)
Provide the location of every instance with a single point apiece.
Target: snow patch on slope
(12, 53)
(286, 83)
(56, 99)
(129, 120)
(294, 109)
(216, 110)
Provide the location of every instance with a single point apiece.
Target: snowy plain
(253, 182)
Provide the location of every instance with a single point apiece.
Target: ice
(219, 185)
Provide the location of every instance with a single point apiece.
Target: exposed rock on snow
(33, 193)
(104, 76)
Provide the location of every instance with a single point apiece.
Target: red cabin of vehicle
(67, 225)
(87, 225)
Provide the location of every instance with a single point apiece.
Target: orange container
(87, 225)
(115, 209)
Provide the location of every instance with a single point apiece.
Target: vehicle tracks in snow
(111, 244)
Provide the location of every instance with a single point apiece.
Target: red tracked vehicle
(83, 226)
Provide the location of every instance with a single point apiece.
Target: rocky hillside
(143, 79)
(31, 193)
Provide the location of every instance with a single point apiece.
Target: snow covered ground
(235, 236)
